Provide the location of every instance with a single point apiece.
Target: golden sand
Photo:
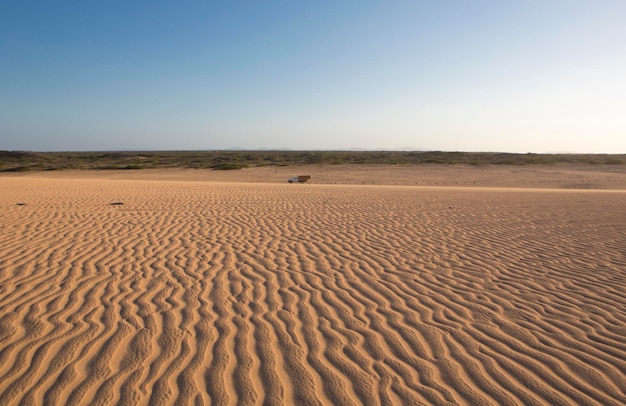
(199, 292)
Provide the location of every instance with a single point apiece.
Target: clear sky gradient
(509, 76)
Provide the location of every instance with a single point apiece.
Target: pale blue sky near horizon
(506, 76)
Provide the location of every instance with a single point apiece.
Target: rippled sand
(251, 293)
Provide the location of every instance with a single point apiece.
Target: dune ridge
(240, 293)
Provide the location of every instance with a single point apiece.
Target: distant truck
(299, 179)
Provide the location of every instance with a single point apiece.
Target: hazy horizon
(534, 76)
(235, 149)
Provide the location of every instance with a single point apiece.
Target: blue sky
(513, 76)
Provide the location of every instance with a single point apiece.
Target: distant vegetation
(18, 161)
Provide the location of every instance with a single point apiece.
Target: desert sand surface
(191, 287)
(585, 177)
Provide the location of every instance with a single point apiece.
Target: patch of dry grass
(20, 161)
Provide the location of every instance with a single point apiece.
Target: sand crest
(251, 293)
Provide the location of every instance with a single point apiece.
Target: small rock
(116, 203)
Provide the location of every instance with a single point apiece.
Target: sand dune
(242, 293)
(582, 177)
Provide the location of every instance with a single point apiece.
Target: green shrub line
(22, 161)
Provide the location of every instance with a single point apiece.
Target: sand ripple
(208, 293)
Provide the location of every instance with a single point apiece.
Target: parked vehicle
(299, 179)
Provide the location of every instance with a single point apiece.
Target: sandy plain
(397, 285)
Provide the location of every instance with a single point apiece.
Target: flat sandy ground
(238, 288)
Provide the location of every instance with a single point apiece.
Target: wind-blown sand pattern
(240, 293)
